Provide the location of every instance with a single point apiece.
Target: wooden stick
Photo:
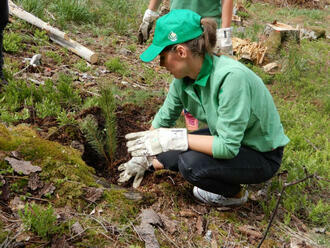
(76, 48)
(55, 34)
(26, 16)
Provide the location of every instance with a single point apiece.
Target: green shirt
(233, 101)
(205, 8)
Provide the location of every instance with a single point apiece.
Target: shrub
(115, 65)
(39, 220)
(73, 10)
(12, 42)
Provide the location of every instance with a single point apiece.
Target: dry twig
(278, 203)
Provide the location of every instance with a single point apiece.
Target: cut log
(55, 34)
(26, 16)
(76, 48)
(287, 32)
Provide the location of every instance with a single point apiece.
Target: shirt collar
(205, 71)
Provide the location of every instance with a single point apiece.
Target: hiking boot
(219, 200)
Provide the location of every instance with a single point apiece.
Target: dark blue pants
(223, 176)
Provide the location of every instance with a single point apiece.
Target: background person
(245, 138)
(221, 11)
(3, 22)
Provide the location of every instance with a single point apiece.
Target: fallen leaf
(249, 230)
(59, 242)
(77, 228)
(16, 204)
(199, 225)
(170, 225)
(93, 194)
(34, 182)
(146, 230)
(149, 216)
(21, 166)
(187, 213)
(47, 189)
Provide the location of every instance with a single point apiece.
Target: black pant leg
(224, 176)
(170, 159)
(1, 53)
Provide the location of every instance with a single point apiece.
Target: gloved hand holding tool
(224, 43)
(153, 142)
(136, 168)
(146, 25)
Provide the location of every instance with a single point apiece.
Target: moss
(60, 165)
(121, 208)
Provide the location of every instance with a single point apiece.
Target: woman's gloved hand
(224, 43)
(153, 142)
(146, 25)
(136, 168)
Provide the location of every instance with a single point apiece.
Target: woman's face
(174, 63)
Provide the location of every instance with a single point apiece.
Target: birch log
(26, 16)
(55, 34)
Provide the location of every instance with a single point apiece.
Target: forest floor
(58, 190)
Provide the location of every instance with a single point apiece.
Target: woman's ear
(181, 51)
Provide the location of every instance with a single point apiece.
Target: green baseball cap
(178, 26)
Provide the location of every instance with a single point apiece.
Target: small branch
(168, 238)
(19, 72)
(309, 142)
(278, 203)
(136, 231)
(78, 234)
(35, 198)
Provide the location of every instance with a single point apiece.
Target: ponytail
(206, 42)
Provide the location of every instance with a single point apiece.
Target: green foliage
(251, 32)
(108, 107)
(73, 10)
(266, 78)
(41, 37)
(82, 66)
(123, 16)
(12, 42)
(243, 14)
(116, 65)
(94, 136)
(320, 213)
(48, 100)
(150, 75)
(132, 48)
(35, 7)
(65, 118)
(54, 56)
(104, 140)
(39, 220)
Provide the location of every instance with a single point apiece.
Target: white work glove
(153, 142)
(224, 43)
(134, 168)
(146, 25)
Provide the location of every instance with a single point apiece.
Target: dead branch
(278, 203)
(55, 34)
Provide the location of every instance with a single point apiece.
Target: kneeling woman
(244, 141)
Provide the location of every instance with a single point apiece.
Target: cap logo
(172, 36)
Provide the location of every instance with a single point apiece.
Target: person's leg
(170, 159)
(1, 54)
(2, 78)
(224, 176)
